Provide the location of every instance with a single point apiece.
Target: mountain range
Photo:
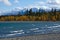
(22, 11)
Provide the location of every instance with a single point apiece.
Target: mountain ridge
(22, 11)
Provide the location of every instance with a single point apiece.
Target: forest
(52, 15)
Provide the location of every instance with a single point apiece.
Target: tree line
(29, 15)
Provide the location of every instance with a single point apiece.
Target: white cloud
(38, 5)
(16, 1)
(54, 2)
(7, 2)
(17, 9)
(48, 4)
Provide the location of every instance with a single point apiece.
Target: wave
(34, 29)
(10, 34)
(33, 25)
(17, 31)
(54, 26)
(46, 25)
(15, 34)
(39, 30)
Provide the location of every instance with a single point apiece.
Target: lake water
(16, 29)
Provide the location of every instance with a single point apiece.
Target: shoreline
(36, 37)
(29, 21)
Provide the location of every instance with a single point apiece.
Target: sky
(8, 5)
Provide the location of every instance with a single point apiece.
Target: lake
(25, 28)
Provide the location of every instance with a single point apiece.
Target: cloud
(16, 1)
(7, 2)
(54, 2)
(38, 5)
(48, 4)
(17, 8)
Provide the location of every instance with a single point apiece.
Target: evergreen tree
(30, 12)
(26, 12)
(19, 14)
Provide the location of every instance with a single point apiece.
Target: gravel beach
(36, 37)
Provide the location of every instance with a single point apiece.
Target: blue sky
(11, 4)
(7, 5)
